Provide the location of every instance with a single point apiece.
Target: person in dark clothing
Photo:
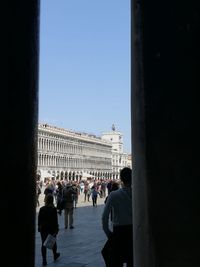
(49, 189)
(95, 194)
(48, 224)
(68, 194)
(59, 196)
(109, 185)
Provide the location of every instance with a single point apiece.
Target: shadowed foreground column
(165, 118)
(18, 109)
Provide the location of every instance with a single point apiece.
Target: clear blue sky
(84, 79)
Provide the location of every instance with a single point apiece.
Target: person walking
(49, 189)
(48, 224)
(68, 194)
(76, 188)
(86, 191)
(38, 192)
(59, 195)
(120, 236)
(94, 193)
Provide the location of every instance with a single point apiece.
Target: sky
(84, 73)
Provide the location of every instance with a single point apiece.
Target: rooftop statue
(113, 127)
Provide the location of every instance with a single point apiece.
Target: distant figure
(48, 224)
(109, 186)
(49, 189)
(81, 184)
(69, 193)
(76, 188)
(38, 192)
(95, 194)
(120, 241)
(59, 195)
(103, 189)
(87, 191)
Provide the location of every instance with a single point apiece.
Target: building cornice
(76, 135)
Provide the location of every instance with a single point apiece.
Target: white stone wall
(119, 157)
(68, 154)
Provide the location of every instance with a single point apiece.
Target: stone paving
(81, 246)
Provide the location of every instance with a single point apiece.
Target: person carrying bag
(48, 228)
(50, 241)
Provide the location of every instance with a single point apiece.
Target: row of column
(79, 148)
(83, 162)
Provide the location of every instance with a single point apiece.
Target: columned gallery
(66, 154)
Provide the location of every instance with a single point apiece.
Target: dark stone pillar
(165, 118)
(19, 115)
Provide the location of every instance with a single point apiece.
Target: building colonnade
(70, 155)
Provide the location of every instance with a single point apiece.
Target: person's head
(115, 186)
(49, 199)
(59, 184)
(126, 176)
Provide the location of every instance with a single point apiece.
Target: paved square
(81, 246)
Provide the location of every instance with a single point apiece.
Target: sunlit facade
(65, 154)
(120, 159)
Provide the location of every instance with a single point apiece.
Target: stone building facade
(65, 154)
(120, 159)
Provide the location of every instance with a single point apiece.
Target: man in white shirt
(120, 202)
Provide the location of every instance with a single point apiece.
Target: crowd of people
(90, 189)
(62, 196)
